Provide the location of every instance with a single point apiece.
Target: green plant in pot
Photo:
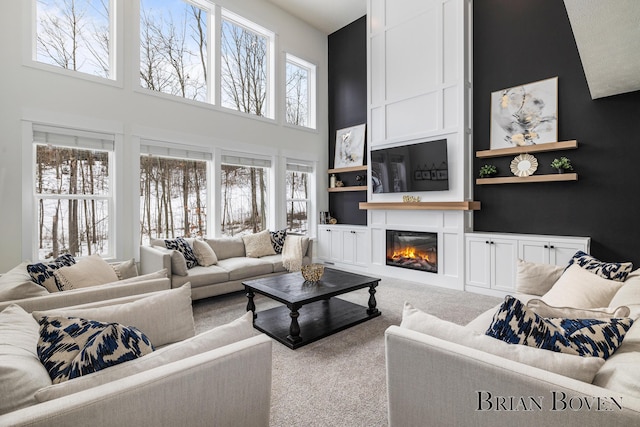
(562, 164)
(488, 171)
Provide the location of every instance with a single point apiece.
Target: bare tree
(296, 100)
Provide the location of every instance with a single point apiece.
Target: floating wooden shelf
(525, 179)
(349, 169)
(538, 148)
(431, 206)
(341, 189)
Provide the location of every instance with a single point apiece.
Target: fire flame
(410, 252)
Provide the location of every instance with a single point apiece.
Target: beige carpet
(340, 380)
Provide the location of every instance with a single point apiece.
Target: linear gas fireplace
(416, 250)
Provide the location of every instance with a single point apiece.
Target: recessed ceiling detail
(325, 15)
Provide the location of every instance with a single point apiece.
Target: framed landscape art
(525, 115)
(350, 147)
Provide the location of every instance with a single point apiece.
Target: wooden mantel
(432, 206)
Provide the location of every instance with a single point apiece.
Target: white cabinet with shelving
(491, 258)
(344, 245)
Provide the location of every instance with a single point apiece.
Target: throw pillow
(165, 317)
(89, 271)
(258, 244)
(580, 289)
(70, 347)
(204, 253)
(21, 373)
(17, 284)
(126, 269)
(277, 240)
(608, 270)
(580, 368)
(514, 323)
(181, 245)
(543, 309)
(42, 273)
(178, 263)
(220, 336)
(536, 279)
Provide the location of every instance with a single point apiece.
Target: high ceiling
(606, 31)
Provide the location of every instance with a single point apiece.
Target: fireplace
(416, 250)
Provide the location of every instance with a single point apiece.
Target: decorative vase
(560, 170)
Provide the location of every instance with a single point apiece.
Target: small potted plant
(488, 171)
(561, 164)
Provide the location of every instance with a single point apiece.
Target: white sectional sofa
(220, 377)
(233, 266)
(443, 374)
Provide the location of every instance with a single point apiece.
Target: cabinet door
(533, 251)
(348, 246)
(478, 262)
(362, 248)
(503, 264)
(324, 243)
(561, 252)
(335, 245)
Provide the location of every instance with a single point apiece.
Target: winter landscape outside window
(300, 92)
(298, 196)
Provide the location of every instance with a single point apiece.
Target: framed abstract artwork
(525, 115)
(350, 144)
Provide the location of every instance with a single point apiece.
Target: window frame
(311, 69)
(289, 165)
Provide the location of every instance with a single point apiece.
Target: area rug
(340, 380)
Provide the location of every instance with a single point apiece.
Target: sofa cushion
(514, 323)
(70, 347)
(21, 373)
(18, 284)
(125, 269)
(160, 274)
(204, 254)
(258, 244)
(202, 276)
(536, 279)
(629, 294)
(277, 240)
(241, 268)
(275, 261)
(42, 273)
(543, 309)
(89, 271)
(181, 245)
(227, 247)
(220, 336)
(581, 289)
(165, 317)
(607, 270)
(580, 368)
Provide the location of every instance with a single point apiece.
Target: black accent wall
(347, 107)
(517, 42)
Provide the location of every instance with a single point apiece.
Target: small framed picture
(350, 144)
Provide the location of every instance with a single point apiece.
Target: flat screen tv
(422, 166)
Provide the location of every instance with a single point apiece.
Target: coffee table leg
(294, 328)
(372, 299)
(250, 304)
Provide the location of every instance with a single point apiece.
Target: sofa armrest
(230, 385)
(435, 382)
(152, 260)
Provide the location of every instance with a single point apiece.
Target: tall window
(174, 48)
(75, 35)
(298, 196)
(244, 195)
(173, 192)
(73, 191)
(300, 92)
(245, 62)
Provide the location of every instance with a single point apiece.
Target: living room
(508, 45)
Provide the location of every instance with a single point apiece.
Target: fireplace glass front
(416, 250)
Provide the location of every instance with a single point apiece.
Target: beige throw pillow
(543, 309)
(125, 269)
(204, 253)
(17, 284)
(258, 245)
(165, 317)
(536, 279)
(178, 263)
(580, 288)
(569, 365)
(90, 271)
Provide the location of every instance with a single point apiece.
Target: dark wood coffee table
(310, 311)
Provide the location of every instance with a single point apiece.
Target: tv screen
(422, 166)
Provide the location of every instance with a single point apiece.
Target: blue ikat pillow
(617, 271)
(42, 273)
(181, 245)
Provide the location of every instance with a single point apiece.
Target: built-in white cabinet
(491, 258)
(347, 245)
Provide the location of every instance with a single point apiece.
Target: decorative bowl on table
(312, 272)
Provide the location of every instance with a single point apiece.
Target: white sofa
(436, 377)
(220, 377)
(233, 266)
